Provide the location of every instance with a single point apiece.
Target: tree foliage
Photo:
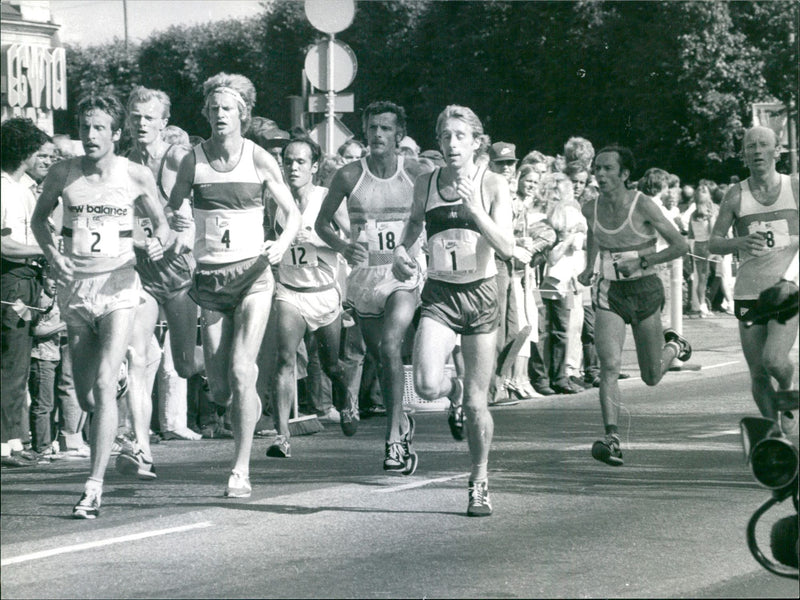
(673, 80)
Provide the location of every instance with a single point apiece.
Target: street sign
(318, 103)
(344, 69)
(330, 16)
(340, 135)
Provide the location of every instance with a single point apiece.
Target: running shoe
(280, 448)
(238, 486)
(182, 434)
(123, 443)
(348, 420)
(88, 507)
(456, 420)
(684, 348)
(79, 453)
(480, 504)
(394, 457)
(135, 464)
(608, 451)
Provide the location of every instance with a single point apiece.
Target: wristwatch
(643, 263)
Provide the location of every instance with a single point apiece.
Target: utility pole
(125, 21)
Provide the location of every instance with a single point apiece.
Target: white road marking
(416, 484)
(100, 543)
(716, 434)
(672, 446)
(725, 364)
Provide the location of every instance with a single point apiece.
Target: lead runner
(466, 211)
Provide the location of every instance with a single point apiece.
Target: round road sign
(330, 16)
(344, 65)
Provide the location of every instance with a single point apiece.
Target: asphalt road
(329, 523)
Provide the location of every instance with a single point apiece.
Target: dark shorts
(742, 308)
(166, 278)
(633, 300)
(468, 309)
(223, 287)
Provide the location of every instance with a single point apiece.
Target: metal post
(125, 22)
(676, 295)
(329, 149)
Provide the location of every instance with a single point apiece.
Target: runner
(379, 192)
(763, 212)
(623, 227)
(307, 298)
(466, 211)
(230, 177)
(98, 287)
(165, 285)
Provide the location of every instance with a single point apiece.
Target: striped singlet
(623, 242)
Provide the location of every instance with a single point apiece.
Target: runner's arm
(403, 265)
(268, 168)
(497, 224)
(52, 189)
(677, 246)
(147, 200)
(585, 278)
(341, 186)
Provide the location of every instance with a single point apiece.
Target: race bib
(453, 256)
(142, 230)
(383, 236)
(300, 256)
(611, 262)
(776, 233)
(233, 234)
(95, 239)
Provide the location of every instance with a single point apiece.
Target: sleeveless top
(621, 243)
(143, 227)
(228, 209)
(378, 209)
(312, 264)
(99, 218)
(777, 223)
(457, 250)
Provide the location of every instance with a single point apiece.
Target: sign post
(331, 17)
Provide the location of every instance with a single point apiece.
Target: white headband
(228, 90)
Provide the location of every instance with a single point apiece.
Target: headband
(230, 91)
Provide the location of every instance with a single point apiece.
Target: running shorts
(223, 287)
(86, 299)
(466, 308)
(166, 278)
(318, 308)
(742, 308)
(369, 288)
(633, 300)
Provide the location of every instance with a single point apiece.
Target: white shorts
(85, 300)
(318, 309)
(369, 288)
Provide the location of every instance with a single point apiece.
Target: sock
(612, 430)
(94, 484)
(480, 472)
(15, 445)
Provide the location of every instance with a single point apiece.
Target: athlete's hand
(523, 255)
(273, 251)
(179, 242)
(403, 266)
(628, 266)
(180, 222)
(355, 254)
(305, 234)
(586, 277)
(62, 267)
(154, 248)
(756, 243)
(466, 190)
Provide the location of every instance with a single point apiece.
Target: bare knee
(243, 375)
(426, 388)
